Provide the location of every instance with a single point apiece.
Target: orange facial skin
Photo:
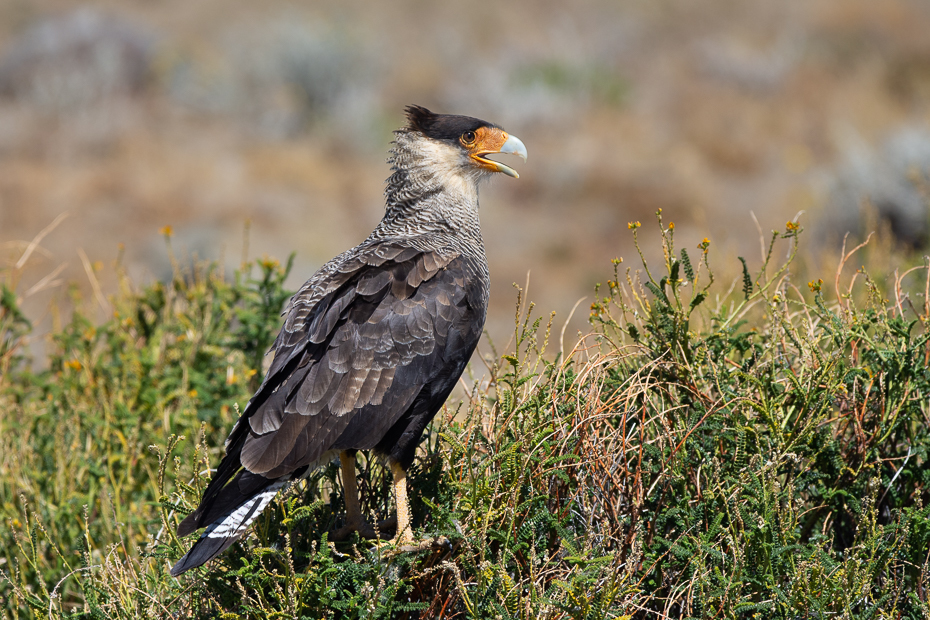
(486, 140)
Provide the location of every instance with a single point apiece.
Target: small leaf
(747, 280)
(659, 293)
(686, 263)
(700, 297)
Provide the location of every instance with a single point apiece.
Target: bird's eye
(468, 137)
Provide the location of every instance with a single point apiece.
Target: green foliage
(14, 326)
(764, 455)
(77, 473)
(779, 469)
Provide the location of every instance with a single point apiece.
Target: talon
(388, 525)
(364, 530)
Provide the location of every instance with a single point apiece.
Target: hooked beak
(499, 142)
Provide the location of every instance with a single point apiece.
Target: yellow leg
(355, 521)
(404, 533)
(353, 508)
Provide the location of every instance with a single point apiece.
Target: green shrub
(757, 453)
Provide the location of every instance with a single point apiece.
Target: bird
(373, 343)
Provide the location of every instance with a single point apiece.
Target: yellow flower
(633, 225)
(815, 286)
(166, 231)
(73, 364)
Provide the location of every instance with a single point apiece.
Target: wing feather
(372, 343)
(317, 384)
(366, 391)
(373, 283)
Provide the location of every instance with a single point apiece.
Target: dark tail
(232, 500)
(228, 528)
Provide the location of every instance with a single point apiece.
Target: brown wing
(367, 348)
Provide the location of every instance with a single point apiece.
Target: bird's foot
(411, 545)
(388, 525)
(404, 542)
(364, 529)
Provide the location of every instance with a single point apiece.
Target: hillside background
(216, 117)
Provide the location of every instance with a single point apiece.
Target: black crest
(442, 126)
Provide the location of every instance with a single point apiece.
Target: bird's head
(462, 143)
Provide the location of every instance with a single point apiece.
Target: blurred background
(255, 129)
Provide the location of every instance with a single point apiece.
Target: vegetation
(757, 453)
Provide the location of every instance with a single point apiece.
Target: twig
(38, 238)
(89, 270)
(839, 268)
(46, 281)
(54, 594)
(565, 326)
(761, 234)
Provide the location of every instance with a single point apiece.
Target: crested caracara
(375, 340)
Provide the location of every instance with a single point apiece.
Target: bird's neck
(422, 196)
